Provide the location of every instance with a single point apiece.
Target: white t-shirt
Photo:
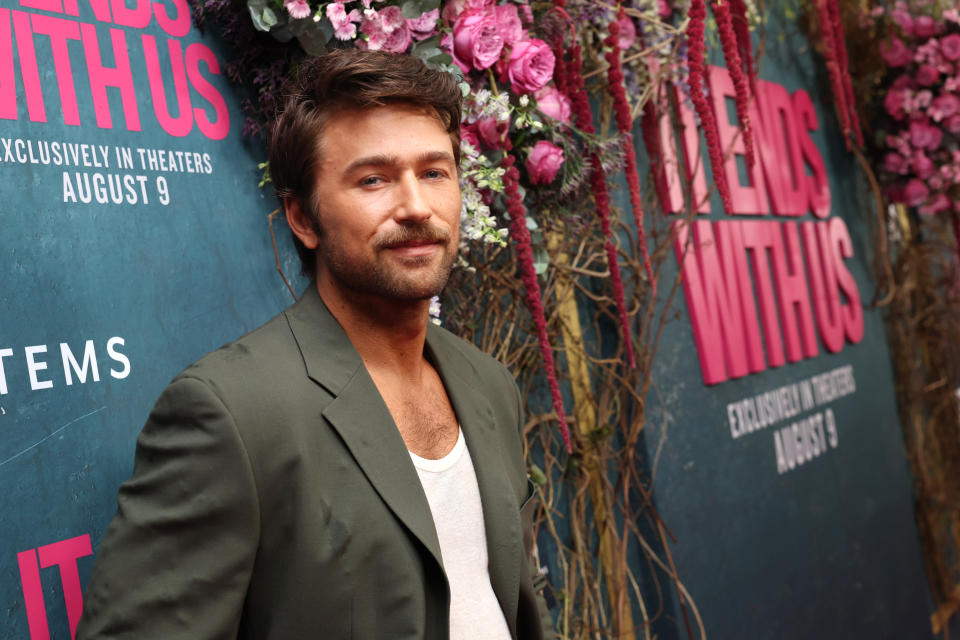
(451, 487)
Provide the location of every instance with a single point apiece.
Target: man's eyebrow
(385, 160)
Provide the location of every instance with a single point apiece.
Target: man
(348, 470)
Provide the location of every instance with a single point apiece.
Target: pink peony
(491, 132)
(915, 192)
(553, 104)
(923, 166)
(953, 124)
(297, 9)
(894, 103)
(531, 65)
(628, 33)
(950, 47)
(477, 42)
(923, 135)
(927, 75)
(903, 18)
(425, 25)
(895, 53)
(511, 29)
(399, 39)
(893, 162)
(544, 162)
(944, 106)
(924, 27)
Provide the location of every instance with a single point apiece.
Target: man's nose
(413, 201)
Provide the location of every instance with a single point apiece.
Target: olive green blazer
(272, 498)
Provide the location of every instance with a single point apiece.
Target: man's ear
(301, 222)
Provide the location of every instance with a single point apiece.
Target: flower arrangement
(920, 159)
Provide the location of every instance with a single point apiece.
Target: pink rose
(904, 19)
(424, 25)
(527, 14)
(927, 75)
(923, 166)
(399, 39)
(924, 27)
(895, 53)
(451, 10)
(945, 106)
(923, 135)
(511, 30)
(953, 123)
(903, 81)
(893, 162)
(476, 38)
(297, 9)
(468, 134)
(940, 203)
(894, 103)
(628, 33)
(491, 132)
(553, 104)
(950, 47)
(531, 65)
(915, 192)
(544, 162)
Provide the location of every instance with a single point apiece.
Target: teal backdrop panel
(135, 239)
(794, 520)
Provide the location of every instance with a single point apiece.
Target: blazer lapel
(501, 512)
(361, 417)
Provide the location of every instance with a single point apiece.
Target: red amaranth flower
(741, 27)
(840, 47)
(698, 14)
(731, 53)
(834, 67)
(625, 126)
(598, 185)
(521, 237)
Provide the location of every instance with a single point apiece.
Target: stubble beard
(413, 280)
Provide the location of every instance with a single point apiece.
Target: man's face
(387, 200)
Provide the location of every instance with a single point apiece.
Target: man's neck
(388, 334)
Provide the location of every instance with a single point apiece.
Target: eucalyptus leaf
(429, 5)
(262, 16)
(411, 9)
(541, 260)
(442, 59)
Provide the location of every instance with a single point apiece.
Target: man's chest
(425, 419)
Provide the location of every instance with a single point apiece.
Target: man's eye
(435, 174)
(371, 181)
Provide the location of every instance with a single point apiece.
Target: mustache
(420, 233)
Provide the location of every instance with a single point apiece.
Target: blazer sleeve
(177, 557)
(526, 512)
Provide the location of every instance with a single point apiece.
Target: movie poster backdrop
(136, 240)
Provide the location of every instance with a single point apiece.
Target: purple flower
(895, 53)
(950, 47)
(531, 65)
(915, 192)
(477, 42)
(544, 162)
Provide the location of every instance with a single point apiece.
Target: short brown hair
(347, 79)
